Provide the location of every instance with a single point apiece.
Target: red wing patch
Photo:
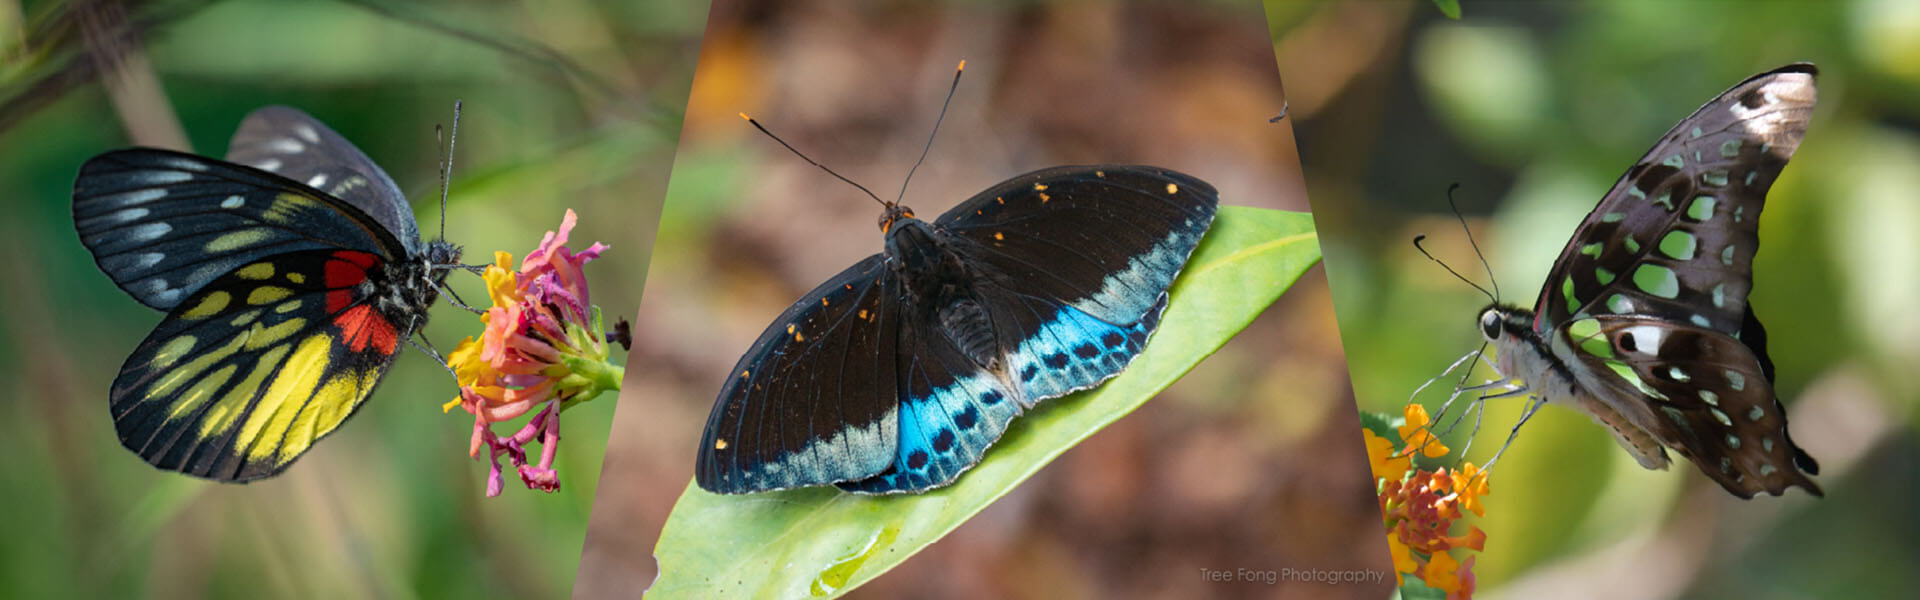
(346, 270)
(364, 327)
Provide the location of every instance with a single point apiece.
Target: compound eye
(1490, 325)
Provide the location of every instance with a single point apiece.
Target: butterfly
(289, 272)
(897, 374)
(1643, 323)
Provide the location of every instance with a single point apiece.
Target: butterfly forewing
(1103, 239)
(1675, 237)
(813, 401)
(162, 224)
(247, 373)
(293, 144)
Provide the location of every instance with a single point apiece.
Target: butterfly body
(289, 284)
(898, 373)
(1644, 324)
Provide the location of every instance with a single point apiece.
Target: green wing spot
(1675, 161)
(1721, 417)
(1603, 274)
(1766, 443)
(1709, 397)
(1766, 470)
(1586, 333)
(1635, 193)
(1619, 304)
(1616, 217)
(1755, 413)
(1633, 245)
(1738, 382)
(1593, 249)
(1720, 295)
(1679, 244)
(1716, 178)
(1733, 441)
(1729, 148)
(1726, 255)
(1678, 418)
(1566, 289)
(1665, 200)
(1657, 280)
(1700, 209)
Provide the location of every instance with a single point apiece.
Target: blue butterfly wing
(814, 401)
(1071, 266)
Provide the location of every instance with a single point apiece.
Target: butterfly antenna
(790, 148)
(957, 71)
(1470, 242)
(1423, 252)
(446, 165)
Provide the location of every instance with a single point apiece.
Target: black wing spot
(990, 397)
(1113, 339)
(943, 442)
(1057, 360)
(917, 460)
(1086, 351)
(967, 418)
(1029, 373)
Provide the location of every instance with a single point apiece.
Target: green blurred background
(1535, 108)
(1250, 461)
(568, 105)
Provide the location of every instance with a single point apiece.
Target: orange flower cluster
(1420, 506)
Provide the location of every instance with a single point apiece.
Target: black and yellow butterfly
(289, 275)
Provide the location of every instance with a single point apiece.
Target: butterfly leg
(1533, 404)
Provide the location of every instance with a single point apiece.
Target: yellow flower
(1439, 572)
(1403, 563)
(1470, 483)
(1387, 463)
(1418, 436)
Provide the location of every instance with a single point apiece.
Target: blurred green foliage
(1535, 108)
(567, 105)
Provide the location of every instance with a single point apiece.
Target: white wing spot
(185, 164)
(306, 132)
(286, 146)
(135, 197)
(317, 180)
(161, 177)
(149, 232)
(269, 165)
(130, 214)
(232, 202)
(1647, 339)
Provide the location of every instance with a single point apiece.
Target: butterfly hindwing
(162, 224)
(813, 401)
(1706, 395)
(1105, 239)
(1676, 235)
(247, 373)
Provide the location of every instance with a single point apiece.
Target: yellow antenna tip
(744, 117)
(963, 65)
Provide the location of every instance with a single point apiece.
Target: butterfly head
(896, 212)
(1498, 322)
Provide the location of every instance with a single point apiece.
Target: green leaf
(822, 542)
(1450, 8)
(1383, 425)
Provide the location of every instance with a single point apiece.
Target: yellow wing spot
(823, 301)
(244, 318)
(1100, 174)
(329, 408)
(180, 375)
(297, 277)
(260, 337)
(743, 374)
(297, 382)
(284, 207)
(1173, 189)
(1044, 198)
(287, 307)
(998, 237)
(789, 329)
(719, 444)
(209, 305)
(236, 240)
(223, 414)
(848, 286)
(999, 199)
(799, 337)
(1039, 187)
(256, 271)
(201, 391)
(863, 314)
(267, 293)
(171, 351)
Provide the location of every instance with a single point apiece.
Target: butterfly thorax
(937, 286)
(1523, 354)
(415, 284)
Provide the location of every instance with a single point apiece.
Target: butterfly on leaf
(1643, 323)
(290, 274)
(895, 375)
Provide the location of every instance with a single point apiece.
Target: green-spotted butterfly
(1644, 324)
(289, 275)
